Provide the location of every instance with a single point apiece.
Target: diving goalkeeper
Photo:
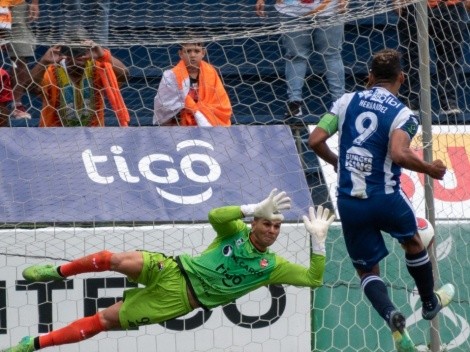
(174, 287)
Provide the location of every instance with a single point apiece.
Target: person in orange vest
(5, 97)
(73, 81)
(192, 93)
(445, 32)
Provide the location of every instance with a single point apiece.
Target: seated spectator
(73, 81)
(192, 93)
(6, 97)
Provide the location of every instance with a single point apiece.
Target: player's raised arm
(317, 225)
(269, 208)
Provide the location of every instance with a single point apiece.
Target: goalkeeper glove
(317, 225)
(270, 207)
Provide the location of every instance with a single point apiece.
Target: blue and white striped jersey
(366, 122)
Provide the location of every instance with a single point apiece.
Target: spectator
(5, 21)
(6, 18)
(192, 93)
(327, 41)
(90, 17)
(375, 131)
(445, 32)
(5, 36)
(73, 81)
(6, 97)
(21, 50)
(174, 286)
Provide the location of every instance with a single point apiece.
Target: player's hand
(437, 170)
(317, 224)
(270, 207)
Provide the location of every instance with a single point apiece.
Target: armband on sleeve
(410, 126)
(329, 123)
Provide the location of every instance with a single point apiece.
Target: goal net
(347, 322)
(50, 214)
(167, 22)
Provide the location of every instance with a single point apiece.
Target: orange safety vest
(104, 80)
(213, 101)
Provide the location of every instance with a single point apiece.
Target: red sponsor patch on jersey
(263, 263)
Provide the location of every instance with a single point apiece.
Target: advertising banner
(451, 144)
(344, 319)
(160, 174)
(275, 318)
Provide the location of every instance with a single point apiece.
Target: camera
(73, 51)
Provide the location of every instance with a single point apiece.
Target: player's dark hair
(386, 65)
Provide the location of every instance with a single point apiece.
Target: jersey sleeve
(289, 273)
(329, 123)
(407, 122)
(226, 221)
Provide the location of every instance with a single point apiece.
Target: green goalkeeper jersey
(232, 267)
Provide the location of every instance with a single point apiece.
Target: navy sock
(376, 291)
(420, 268)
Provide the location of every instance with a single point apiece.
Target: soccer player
(375, 131)
(176, 286)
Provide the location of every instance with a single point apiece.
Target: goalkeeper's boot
(401, 338)
(42, 273)
(444, 297)
(26, 345)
